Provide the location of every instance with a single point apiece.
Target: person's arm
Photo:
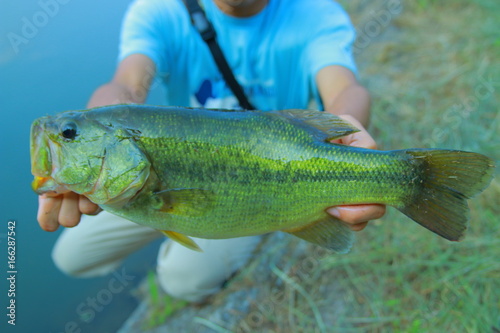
(342, 95)
(130, 84)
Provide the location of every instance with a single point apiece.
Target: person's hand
(357, 216)
(63, 209)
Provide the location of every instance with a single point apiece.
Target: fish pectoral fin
(185, 201)
(327, 232)
(182, 239)
(325, 126)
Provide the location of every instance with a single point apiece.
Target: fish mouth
(41, 162)
(41, 159)
(42, 185)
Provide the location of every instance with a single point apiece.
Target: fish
(215, 174)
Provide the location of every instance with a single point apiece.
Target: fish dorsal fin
(327, 232)
(182, 239)
(325, 126)
(185, 201)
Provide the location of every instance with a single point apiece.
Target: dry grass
(433, 73)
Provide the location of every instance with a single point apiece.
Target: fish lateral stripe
(222, 174)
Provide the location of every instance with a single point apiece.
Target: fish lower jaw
(102, 196)
(44, 185)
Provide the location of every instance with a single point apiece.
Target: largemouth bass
(223, 174)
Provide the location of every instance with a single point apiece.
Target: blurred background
(432, 68)
(53, 54)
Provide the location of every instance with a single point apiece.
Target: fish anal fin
(325, 126)
(185, 201)
(182, 239)
(327, 232)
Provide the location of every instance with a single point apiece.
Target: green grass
(434, 83)
(433, 75)
(440, 79)
(162, 305)
(419, 281)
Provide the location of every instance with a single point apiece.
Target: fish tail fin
(448, 179)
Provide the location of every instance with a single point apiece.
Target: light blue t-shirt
(275, 54)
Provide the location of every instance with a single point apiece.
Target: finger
(88, 207)
(359, 139)
(362, 139)
(357, 226)
(48, 211)
(357, 213)
(69, 215)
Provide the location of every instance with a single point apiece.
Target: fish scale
(222, 174)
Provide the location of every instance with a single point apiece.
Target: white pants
(99, 244)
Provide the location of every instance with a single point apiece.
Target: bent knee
(193, 276)
(66, 264)
(75, 262)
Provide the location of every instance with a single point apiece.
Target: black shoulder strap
(208, 34)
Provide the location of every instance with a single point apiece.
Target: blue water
(52, 57)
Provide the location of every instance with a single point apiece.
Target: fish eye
(69, 131)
